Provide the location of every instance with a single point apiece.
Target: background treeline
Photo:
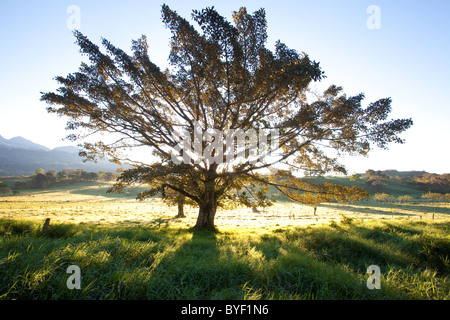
(428, 182)
(383, 186)
(41, 179)
(429, 196)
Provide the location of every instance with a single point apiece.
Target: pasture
(91, 204)
(138, 250)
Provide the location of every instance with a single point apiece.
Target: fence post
(46, 225)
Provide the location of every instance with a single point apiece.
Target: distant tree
(51, 176)
(222, 78)
(355, 177)
(15, 192)
(314, 200)
(370, 173)
(93, 176)
(40, 181)
(61, 176)
(375, 184)
(79, 174)
(405, 198)
(383, 197)
(172, 197)
(88, 176)
(68, 174)
(109, 176)
(381, 175)
(433, 196)
(101, 174)
(38, 171)
(51, 173)
(5, 190)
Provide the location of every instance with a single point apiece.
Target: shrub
(5, 190)
(405, 198)
(433, 196)
(383, 197)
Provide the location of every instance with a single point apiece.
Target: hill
(19, 156)
(21, 143)
(393, 186)
(403, 174)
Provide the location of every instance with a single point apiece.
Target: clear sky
(401, 51)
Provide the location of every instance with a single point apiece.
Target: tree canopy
(222, 78)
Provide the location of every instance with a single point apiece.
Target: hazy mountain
(21, 143)
(21, 156)
(3, 141)
(69, 149)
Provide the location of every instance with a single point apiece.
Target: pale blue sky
(407, 59)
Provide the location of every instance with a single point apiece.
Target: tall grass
(145, 262)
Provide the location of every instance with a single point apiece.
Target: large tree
(222, 78)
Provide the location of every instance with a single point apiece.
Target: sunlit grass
(132, 250)
(91, 204)
(147, 262)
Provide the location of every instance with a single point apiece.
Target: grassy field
(138, 250)
(89, 203)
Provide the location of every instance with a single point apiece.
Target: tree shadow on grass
(162, 222)
(412, 247)
(418, 207)
(425, 209)
(364, 210)
(211, 266)
(191, 271)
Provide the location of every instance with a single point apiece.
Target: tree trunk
(207, 209)
(181, 209)
(206, 215)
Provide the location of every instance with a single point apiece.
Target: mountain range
(21, 156)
